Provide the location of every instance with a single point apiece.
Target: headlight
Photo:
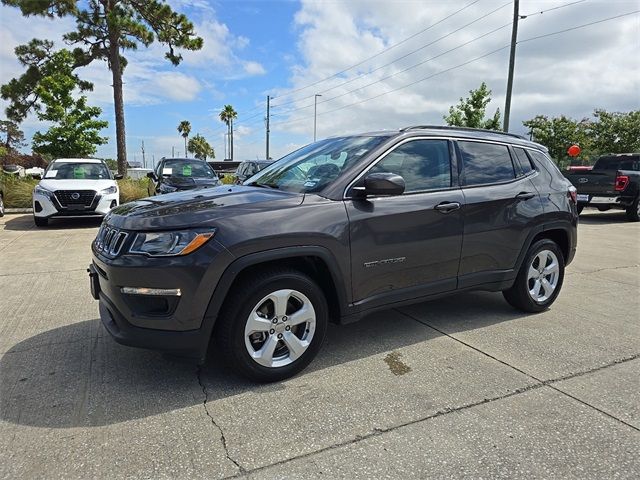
(163, 244)
(164, 188)
(42, 191)
(110, 190)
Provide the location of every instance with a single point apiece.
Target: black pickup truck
(613, 182)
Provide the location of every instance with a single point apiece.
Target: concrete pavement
(459, 387)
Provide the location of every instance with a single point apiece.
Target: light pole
(315, 110)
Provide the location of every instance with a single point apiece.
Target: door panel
(402, 242)
(496, 224)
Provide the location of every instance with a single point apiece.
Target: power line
(551, 9)
(401, 57)
(382, 51)
(463, 64)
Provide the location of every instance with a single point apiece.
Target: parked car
(73, 187)
(335, 230)
(177, 174)
(16, 170)
(613, 182)
(34, 172)
(249, 168)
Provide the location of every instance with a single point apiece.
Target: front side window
(77, 171)
(486, 163)
(423, 164)
(316, 166)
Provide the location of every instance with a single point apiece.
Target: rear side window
(539, 157)
(618, 162)
(523, 161)
(424, 165)
(486, 163)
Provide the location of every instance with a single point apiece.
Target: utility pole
(267, 120)
(512, 61)
(173, 152)
(315, 110)
(144, 160)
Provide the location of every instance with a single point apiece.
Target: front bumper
(45, 206)
(170, 323)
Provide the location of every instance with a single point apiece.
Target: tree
(228, 115)
(75, 130)
(106, 28)
(13, 136)
(470, 111)
(200, 148)
(184, 128)
(558, 134)
(615, 132)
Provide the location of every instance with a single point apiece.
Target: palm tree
(227, 115)
(184, 128)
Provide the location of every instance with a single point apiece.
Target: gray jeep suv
(332, 232)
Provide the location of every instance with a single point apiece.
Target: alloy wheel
(543, 276)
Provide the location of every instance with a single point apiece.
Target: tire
(580, 208)
(40, 222)
(1, 205)
(603, 209)
(239, 344)
(522, 294)
(633, 212)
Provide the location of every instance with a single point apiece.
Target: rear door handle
(525, 195)
(446, 207)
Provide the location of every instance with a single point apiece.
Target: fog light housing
(164, 292)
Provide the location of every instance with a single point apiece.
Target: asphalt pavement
(459, 387)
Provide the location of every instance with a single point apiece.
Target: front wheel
(273, 325)
(633, 212)
(540, 278)
(40, 221)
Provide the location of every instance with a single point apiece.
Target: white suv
(73, 187)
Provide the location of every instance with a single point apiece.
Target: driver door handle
(525, 195)
(446, 207)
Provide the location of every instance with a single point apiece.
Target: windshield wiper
(262, 185)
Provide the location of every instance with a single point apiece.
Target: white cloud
(253, 68)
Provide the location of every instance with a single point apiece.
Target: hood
(53, 185)
(185, 183)
(203, 207)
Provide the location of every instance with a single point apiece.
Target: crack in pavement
(543, 383)
(602, 270)
(223, 439)
(40, 273)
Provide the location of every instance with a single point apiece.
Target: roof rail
(466, 129)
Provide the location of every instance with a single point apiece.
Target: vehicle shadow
(76, 375)
(599, 218)
(25, 223)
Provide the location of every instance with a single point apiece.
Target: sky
(375, 64)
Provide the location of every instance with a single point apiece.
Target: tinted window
(424, 164)
(523, 161)
(622, 162)
(546, 162)
(486, 163)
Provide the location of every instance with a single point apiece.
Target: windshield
(186, 168)
(312, 168)
(77, 171)
(622, 162)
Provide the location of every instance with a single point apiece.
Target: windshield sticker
(186, 170)
(310, 183)
(51, 174)
(167, 171)
(78, 173)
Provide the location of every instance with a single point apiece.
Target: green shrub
(18, 191)
(131, 189)
(229, 179)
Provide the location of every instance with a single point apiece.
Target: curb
(18, 210)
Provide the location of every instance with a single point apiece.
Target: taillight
(572, 193)
(621, 182)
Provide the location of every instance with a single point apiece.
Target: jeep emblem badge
(75, 195)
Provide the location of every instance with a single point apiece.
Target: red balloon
(574, 151)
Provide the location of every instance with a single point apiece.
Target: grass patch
(228, 179)
(17, 191)
(131, 189)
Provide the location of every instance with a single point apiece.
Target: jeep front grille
(109, 240)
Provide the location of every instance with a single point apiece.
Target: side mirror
(118, 176)
(381, 184)
(221, 175)
(151, 175)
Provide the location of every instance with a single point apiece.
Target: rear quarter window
(486, 163)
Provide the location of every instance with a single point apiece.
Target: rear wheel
(40, 222)
(273, 326)
(540, 278)
(633, 212)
